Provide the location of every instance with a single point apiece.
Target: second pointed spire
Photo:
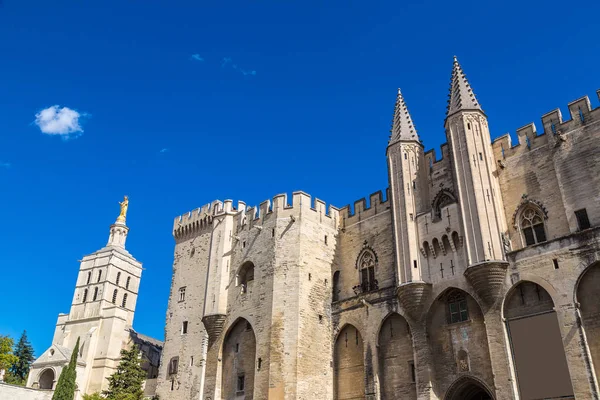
(461, 95)
(402, 125)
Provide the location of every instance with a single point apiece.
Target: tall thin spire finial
(461, 95)
(402, 124)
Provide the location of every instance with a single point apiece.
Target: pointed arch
(245, 275)
(587, 292)
(443, 198)
(453, 320)
(468, 388)
(46, 379)
(530, 221)
(535, 338)
(239, 361)
(349, 364)
(396, 359)
(366, 264)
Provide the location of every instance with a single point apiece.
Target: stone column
(212, 372)
(423, 361)
(499, 353)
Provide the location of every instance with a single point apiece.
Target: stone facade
(474, 277)
(101, 316)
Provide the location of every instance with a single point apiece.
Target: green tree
(7, 358)
(65, 388)
(20, 369)
(126, 382)
(93, 396)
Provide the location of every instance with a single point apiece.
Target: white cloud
(5, 165)
(59, 121)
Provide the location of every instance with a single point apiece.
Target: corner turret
(474, 170)
(408, 190)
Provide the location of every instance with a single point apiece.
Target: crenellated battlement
(196, 220)
(362, 210)
(431, 160)
(553, 128)
(302, 205)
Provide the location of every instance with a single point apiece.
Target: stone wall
(12, 392)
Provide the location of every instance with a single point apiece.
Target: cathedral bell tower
(408, 186)
(474, 172)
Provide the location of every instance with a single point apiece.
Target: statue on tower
(124, 205)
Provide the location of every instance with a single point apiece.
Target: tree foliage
(126, 383)
(93, 396)
(65, 388)
(7, 358)
(20, 369)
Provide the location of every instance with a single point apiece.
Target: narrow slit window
(184, 327)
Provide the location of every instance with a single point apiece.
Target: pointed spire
(402, 125)
(461, 95)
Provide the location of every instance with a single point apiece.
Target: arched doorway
(536, 343)
(587, 294)
(47, 379)
(239, 354)
(468, 388)
(349, 365)
(396, 360)
(458, 340)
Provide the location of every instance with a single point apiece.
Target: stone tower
(101, 315)
(408, 185)
(475, 174)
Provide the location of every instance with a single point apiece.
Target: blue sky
(179, 103)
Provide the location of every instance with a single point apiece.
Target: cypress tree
(24, 351)
(65, 388)
(126, 382)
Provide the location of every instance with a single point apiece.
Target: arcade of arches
(457, 337)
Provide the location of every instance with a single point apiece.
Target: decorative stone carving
(413, 296)
(214, 326)
(487, 278)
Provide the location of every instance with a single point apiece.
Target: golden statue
(124, 204)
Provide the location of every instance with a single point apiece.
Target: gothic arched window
(366, 267)
(127, 282)
(531, 223)
(442, 199)
(118, 278)
(89, 277)
(95, 294)
(114, 299)
(124, 303)
(85, 292)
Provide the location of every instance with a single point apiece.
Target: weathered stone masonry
(473, 277)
